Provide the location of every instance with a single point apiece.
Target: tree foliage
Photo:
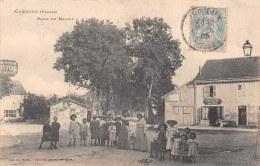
(36, 107)
(156, 54)
(129, 68)
(6, 85)
(93, 55)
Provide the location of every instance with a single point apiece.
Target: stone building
(226, 89)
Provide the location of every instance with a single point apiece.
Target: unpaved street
(216, 148)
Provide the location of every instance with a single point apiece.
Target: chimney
(199, 70)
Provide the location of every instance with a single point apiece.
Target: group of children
(51, 133)
(103, 132)
(167, 139)
(164, 139)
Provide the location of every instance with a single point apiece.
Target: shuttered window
(209, 91)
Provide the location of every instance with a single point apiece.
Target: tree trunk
(99, 102)
(93, 100)
(107, 104)
(149, 109)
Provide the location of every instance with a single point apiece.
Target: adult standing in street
(124, 134)
(123, 139)
(94, 130)
(100, 133)
(141, 139)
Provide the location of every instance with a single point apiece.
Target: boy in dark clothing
(46, 136)
(118, 127)
(55, 127)
(154, 143)
(183, 148)
(162, 141)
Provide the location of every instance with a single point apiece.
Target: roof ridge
(72, 100)
(255, 57)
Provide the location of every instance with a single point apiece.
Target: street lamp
(247, 47)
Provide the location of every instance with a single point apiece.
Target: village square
(109, 89)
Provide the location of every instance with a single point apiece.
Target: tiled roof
(17, 89)
(233, 68)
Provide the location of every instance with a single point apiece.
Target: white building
(63, 109)
(226, 89)
(11, 105)
(180, 106)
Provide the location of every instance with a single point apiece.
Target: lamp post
(247, 47)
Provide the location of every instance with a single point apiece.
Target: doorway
(242, 115)
(214, 114)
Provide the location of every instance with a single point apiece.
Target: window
(241, 90)
(209, 91)
(10, 113)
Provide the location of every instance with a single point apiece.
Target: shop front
(211, 114)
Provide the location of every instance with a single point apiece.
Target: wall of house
(12, 102)
(179, 106)
(63, 112)
(231, 98)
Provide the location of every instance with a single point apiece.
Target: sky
(29, 38)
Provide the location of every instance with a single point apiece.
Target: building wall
(63, 112)
(232, 98)
(12, 102)
(179, 106)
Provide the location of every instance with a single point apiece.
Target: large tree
(92, 56)
(36, 107)
(157, 55)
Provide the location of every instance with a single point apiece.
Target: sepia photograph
(129, 83)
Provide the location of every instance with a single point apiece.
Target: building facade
(180, 106)
(225, 89)
(63, 109)
(11, 107)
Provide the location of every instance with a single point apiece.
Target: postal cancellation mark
(207, 28)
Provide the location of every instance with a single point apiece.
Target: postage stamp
(208, 28)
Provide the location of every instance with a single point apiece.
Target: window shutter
(214, 91)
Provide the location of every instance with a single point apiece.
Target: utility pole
(258, 137)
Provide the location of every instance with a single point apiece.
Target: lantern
(247, 47)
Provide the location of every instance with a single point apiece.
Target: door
(241, 115)
(213, 115)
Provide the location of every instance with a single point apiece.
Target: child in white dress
(175, 148)
(112, 134)
(169, 135)
(193, 148)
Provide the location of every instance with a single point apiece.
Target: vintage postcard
(129, 82)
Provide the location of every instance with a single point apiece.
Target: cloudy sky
(29, 39)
